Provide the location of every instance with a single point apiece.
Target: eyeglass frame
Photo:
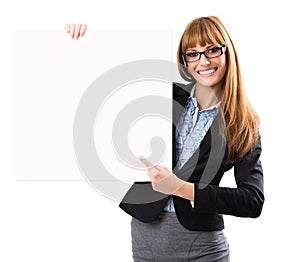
(222, 48)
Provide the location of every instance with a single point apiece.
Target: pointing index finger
(147, 163)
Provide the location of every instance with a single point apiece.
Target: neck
(206, 96)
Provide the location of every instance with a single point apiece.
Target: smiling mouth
(207, 72)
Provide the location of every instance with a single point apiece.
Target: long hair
(241, 121)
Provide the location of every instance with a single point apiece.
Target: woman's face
(207, 71)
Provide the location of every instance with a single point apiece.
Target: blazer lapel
(187, 169)
(180, 97)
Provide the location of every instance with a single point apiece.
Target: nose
(204, 61)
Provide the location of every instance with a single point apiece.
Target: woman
(184, 221)
(178, 215)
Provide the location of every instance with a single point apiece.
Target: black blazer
(205, 170)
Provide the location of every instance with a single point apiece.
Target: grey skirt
(165, 239)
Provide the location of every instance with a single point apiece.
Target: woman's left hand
(162, 179)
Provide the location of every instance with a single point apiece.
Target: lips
(207, 72)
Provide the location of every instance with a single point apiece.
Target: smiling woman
(185, 222)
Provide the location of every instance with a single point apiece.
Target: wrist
(186, 191)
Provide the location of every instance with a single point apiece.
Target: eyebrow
(194, 49)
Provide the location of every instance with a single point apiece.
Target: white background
(69, 221)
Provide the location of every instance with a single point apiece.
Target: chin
(206, 83)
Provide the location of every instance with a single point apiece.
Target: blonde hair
(241, 121)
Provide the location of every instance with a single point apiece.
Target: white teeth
(207, 72)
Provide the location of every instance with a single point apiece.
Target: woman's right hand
(76, 30)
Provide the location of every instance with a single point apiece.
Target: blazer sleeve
(244, 201)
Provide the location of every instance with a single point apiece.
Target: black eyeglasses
(213, 52)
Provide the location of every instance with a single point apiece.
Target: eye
(213, 50)
(191, 54)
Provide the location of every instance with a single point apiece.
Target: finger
(83, 30)
(77, 30)
(67, 28)
(147, 163)
(153, 174)
(160, 168)
(72, 30)
(154, 171)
